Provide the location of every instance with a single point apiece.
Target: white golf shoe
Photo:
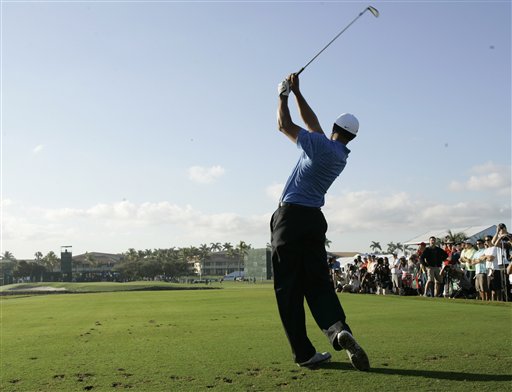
(316, 359)
(355, 353)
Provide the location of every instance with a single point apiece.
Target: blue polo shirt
(320, 163)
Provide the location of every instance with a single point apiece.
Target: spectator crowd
(481, 269)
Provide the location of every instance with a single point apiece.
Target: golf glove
(283, 88)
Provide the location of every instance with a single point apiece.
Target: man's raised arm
(284, 119)
(308, 116)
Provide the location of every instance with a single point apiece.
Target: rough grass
(232, 339)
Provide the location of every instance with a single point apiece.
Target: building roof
(101, 258)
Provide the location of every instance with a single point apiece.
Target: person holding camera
(501, 233)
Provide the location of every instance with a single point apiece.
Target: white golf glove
(283, 88)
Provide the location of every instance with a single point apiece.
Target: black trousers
(299, 261)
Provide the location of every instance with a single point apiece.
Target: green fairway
(232, 339)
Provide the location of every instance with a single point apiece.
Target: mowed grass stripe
(232, 339)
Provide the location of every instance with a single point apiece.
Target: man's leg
(288, 283)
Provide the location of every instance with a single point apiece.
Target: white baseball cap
(348, 122)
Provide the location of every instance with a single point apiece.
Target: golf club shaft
(371, 9)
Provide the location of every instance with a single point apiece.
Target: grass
(97, 287)
(232, 339)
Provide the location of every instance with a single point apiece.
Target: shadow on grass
(435, 374)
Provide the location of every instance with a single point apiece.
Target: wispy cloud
(486, 177)
(205, 175)
(37, 149)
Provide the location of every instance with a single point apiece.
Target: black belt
(291, 205)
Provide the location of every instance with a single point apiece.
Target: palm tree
(375, 246)
(391, 247)
(131, 254)
(203, 253)
(215, 246)
(242, 250)
(407, 248)
(455, 237)
(38, 257)
(8, 256)
(227, 247)
(51, 260)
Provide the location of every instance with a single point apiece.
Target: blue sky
(153, 124)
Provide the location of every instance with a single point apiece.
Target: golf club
(369, 8)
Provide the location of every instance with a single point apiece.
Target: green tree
(131, 255)
(227, 246)
(455, 237)
(215, 246)
(391, 247)
(203, 254)
(241, 251)
(8, 256)
(51, 261)
(399, 246)
(375, 246)
(328, 242)
(31, 270)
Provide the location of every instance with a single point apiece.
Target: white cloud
(37, 149)
(274, 191)
(353, 218)
(6, 202)
(486, 177)
(378, 211)
(205, 175)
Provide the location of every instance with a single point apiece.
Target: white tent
(472, 233)
(345, 260)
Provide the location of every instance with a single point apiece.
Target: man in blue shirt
(298, 228)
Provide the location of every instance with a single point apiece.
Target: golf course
(148, 336)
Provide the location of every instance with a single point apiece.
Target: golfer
(298, 230)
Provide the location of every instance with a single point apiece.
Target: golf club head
(373, 10)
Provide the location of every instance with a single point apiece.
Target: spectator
(421, 248)
(395, 273)
(501, 232)
(432, 258)
(481, 284)
(353, 285)
(465, 257)
(502, 242)
(414, 269)
(382, 276)
(493, 269)
(450, 266)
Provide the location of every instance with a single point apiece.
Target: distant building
(258, 264)
(220, 264)
(95, 262)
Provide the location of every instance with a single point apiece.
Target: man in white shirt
(493, 268)
(395, 272)
(481, 284)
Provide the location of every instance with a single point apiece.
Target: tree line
(393, 247)
(134, 264)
